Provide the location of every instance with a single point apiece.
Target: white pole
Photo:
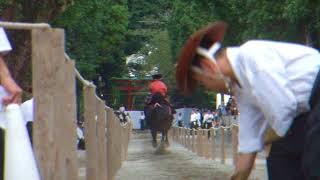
(19, 163)
(226, 99)
(218, 102)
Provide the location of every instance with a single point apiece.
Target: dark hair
(157, 76)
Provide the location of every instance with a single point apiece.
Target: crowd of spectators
(206, 118)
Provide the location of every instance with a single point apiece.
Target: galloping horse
(159, 118)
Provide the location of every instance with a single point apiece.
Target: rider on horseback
(158, 86)
(159, 93)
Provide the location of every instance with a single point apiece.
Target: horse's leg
(166, 138)
(154, 137)
(163, 135)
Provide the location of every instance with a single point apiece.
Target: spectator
(12, 90)
(142, 121)
(193, 120)
(276, 85)
(198, 117)
(207, 119)
(180, 120)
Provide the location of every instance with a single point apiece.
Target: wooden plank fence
(203, 142)
(54, 128)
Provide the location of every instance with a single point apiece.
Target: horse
(159, 118)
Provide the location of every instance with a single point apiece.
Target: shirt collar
(233, 54)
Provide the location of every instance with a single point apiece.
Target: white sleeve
(275, 99)
(268, 84)
(4, 42)
(252, 126)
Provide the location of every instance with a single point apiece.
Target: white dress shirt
(208, 117)
(26, 107)
(193, 117)
(275, 85)
(4, 42)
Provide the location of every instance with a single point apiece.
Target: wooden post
(212, 143)
(182, 136)
(179, 136)
(186, 141)
(207, 145)
(235, 143)
(200, 134)
(117, 140)
(70, 121)
(90, 118)
(102, 142)
(193, 149)
(53, 90)
(199, 142)
(128, 127)
(110, 145)
(223, 152)
(187, 137)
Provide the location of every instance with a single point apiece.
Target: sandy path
(176, 163)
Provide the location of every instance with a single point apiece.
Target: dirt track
(176, 163)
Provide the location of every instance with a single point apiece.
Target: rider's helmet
(156, 75)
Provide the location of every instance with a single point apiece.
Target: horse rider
(157, 86)
(158, 89)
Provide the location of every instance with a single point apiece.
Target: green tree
(95, 32)
(145, 19)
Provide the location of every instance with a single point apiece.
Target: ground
(177, 163)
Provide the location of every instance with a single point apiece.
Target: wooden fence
(208, 143)
(54, 129)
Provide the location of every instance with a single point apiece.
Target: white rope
(30, 26)
(214, 128)
(80, 78)
(24, 26)
(226, 127)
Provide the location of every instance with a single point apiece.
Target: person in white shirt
(180, 119)
(198, 117)
(193, 120)
(142, 120)
(11, 93)
(276, 85)
(207, 119)
(6, 80)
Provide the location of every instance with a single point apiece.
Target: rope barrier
(220, 127)
(30, 26)
(80, 78)
(24, 26)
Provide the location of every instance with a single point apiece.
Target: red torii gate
(131, 85)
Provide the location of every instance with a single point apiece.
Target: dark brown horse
(159, 118)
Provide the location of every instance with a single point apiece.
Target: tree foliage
(96, 32)
(146, 18)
